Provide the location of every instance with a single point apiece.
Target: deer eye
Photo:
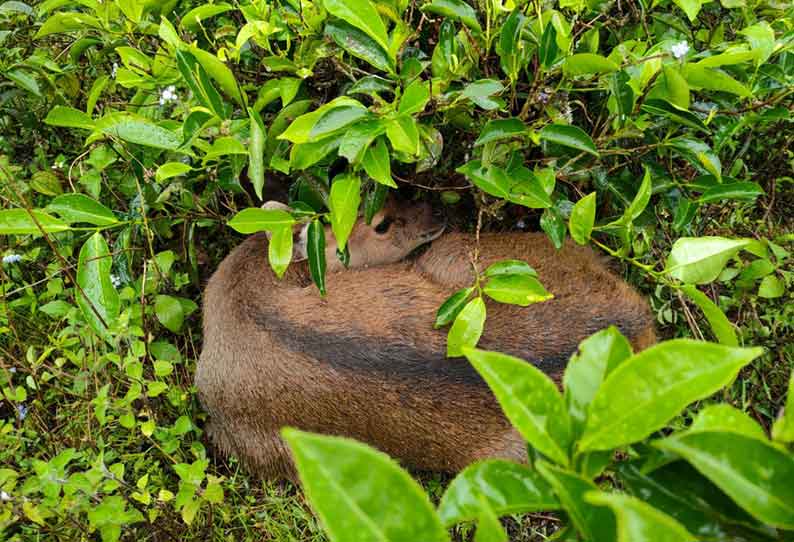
(384, 225)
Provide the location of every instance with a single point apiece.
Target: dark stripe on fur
(393, 361)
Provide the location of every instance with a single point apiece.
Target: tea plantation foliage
(134, 133)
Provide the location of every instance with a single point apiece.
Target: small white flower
(4, 496)
(12, 370)
(168, 95)
(116, 281)
(11, 258)
(114, 70)
(680, 50)
(22, 412)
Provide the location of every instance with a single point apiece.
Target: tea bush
(136, 135)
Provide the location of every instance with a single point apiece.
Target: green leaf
(638, 204)
(361, 14)
(403, 134)
(639, 522)
(315, 250)
(783, 429)
(552, 222)
(672, 87)
(580, 224)
(674, 113)
(169, 312)
(680, 491)
(171, 169)
(499, 129)
(587, 63)
(253, 219)
(771, 287)
(480, 92)
(335, 119)
(304, 155)
(454, 9)
(592, 522)
(138, 130)
(518, 289)
(256, 152)
(489, 529)
(69, 117)
(359, 44)
(597, 357)
(652, 387)
(24, 80)
(548, 49)
(745, 191)
(192, 19)
(224, 146)
(754, 473)
(711, 79)
(371, 85)
(133, 58)
(699, 260)
(569, 136)
(279, 250)
(222, 75)
(526, 188)
(512, 53)
(197, 78)
(98, 300)
(360, 493)
(727, 59)
(415, 97)
(690, 7)
(467, 327)
(167, 33)
(509, 488)
(377, 163)
(490, 180)
(66, 21)
(80, 208)
(302, 128)
(19, 222)
(699, 153)
(529, 399)
(510, 267)
(343, 202)
(719, 323)
(46, 182)
(761, 37)
(450, 309)
(374, 201)
(13, 6)
(357, 139)
(725, 417)
(56, 309)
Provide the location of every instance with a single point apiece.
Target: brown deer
(365, 361)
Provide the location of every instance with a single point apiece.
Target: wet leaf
(647, 390)
(355, 508)
(529, 399)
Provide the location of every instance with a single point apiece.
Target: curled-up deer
(365, 360)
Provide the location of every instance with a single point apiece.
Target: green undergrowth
(133, 132)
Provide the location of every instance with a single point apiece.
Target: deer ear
(299, 241)
(300, 234)
(276, 205)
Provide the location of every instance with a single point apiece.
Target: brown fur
(365, 361)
